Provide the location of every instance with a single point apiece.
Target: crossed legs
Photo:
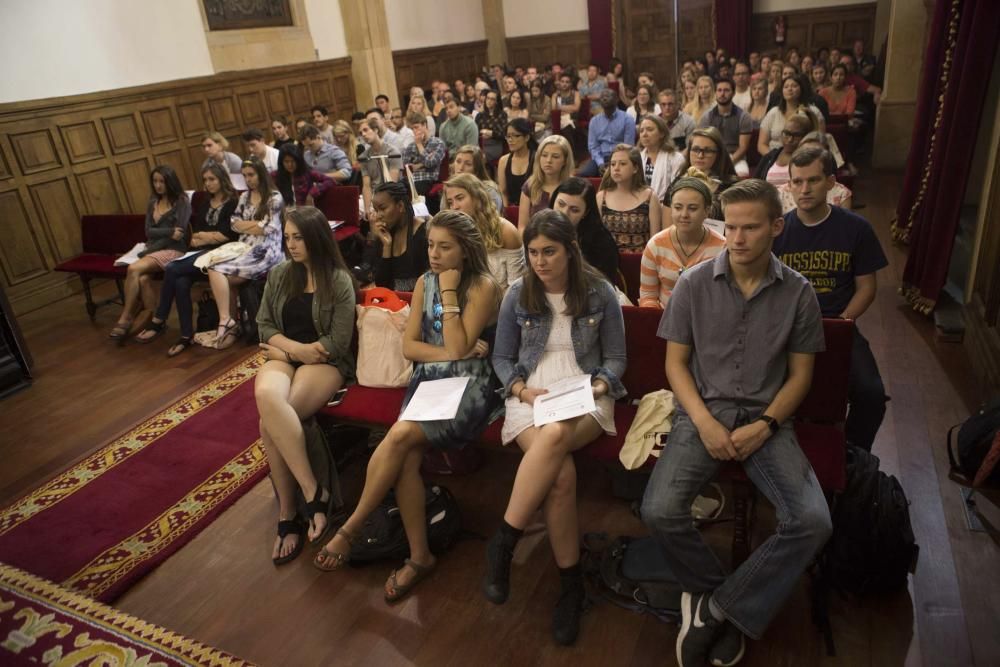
(285, 396)
(138, 283)
(225, 301)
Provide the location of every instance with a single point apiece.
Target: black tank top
(515, 183)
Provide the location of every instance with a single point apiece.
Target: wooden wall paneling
(568, 48)
(82, 141)
(22, 256)
(64, 157)
(811, 29)
(418, 67)
(100, 194)
(35, 151)
(134, 176)
(59, 214)
(695, 32)
(647, 39)
(123, 133)
(160, 126)
(193, 118)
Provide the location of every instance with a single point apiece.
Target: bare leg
(410, 495)
(284, 485)
(150, 295)
(383, 473)
(560, 516)
(131, 289)
(219, 283)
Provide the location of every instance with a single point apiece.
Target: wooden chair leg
(91, 306)
(743, 511)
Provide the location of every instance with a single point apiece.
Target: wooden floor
(223, 590)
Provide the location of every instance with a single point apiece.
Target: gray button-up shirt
(740, 345)
(329, 159)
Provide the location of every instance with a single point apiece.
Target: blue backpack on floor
(631, 572)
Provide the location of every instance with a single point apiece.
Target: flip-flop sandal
(178, 347)
(420, 572)
(339, 559)
(286, 528)
(230, 333)
(319, 506)
(156, 328)
(120, 330)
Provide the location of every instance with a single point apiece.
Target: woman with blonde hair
(758, 102)
(467, 194)
(215, 145)
(629, 209)
(774, 71)
(553, 165)
(706, 98)
(346, 139)
(469, 159)
(689, 93)
(418, 103)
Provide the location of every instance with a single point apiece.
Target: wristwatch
(771, 422)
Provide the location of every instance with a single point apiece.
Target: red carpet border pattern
(102, 524)
(42, 623)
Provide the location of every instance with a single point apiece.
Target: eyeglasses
(699, 150)
(792, 135)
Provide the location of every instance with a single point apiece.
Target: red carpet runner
(101, 525)
(44, 624)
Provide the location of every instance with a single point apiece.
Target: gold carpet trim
(131, 443)
(116, 562)
(90, 652)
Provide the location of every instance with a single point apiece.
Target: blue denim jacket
(598, 338)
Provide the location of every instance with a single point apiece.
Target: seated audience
(168, 215)
(819, 78)
(567, 100)
(397, 139)
(758, 102)
(254, 140)
(706, 98)
(515, 166)
(841, 98)
(492, 122)
(629, 209)
(298, 184)
(576, 199)
(321, 121)
(424, 156)
(539, 111)
(679, 123)
(383, 104)
(469, 160)
(773, 167)
(838, 252)
(210, 228)
(325, 157)
(516, 107)
(606, 131)
(854, 79)
(397, 120)
(741, 83)
(448, 334)
(400, 238)
(687, 242)
(553, 165)
(504, 254)
(257, 218)
(838, 195)
(690, 96)
(739, 415)
(380, 162)
(644, 104)
(734, 124)
(864, 62)
(458, 130)
(215, 145)
(281, 131)
(708, 155)
(418, 104)
(794, 90)
(306, 321)
(592, 88)
(660, 158)
(346, 139)
(564, 296)
(774, 78)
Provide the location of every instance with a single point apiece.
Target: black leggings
(177, 280)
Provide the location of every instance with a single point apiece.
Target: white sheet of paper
(435, 399)
(335, 223)
(189, 253)
(131, 256)
(239, 183)
(420, 210)
(566, 399)
(189, 193)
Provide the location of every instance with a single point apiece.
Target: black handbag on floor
(975, 440)
(251, 293)
(631, 572)
(383, 537)
(208, 313)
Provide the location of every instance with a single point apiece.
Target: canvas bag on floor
(381, 323)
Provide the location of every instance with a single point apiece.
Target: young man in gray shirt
(742, 331)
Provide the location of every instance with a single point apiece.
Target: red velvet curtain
(599, 16)
(957, 67)
(732, 26)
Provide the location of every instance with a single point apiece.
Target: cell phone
(337, 398)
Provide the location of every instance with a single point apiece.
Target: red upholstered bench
(105, 238)
(629, 264)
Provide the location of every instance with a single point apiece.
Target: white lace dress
(558, 361)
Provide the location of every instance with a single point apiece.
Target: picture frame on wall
(244, 14)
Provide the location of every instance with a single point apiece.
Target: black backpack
(975, 439)
(872, 549)
(632, 573)
(251, 293)
(208, 313)
(383, 538)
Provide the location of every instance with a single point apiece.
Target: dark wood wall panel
(65, 157)
(811, 29)
(418, 67)
(568, 48)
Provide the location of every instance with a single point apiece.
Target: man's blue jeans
(752, 594)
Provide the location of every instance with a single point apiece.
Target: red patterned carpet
(104, 523)
(42, 623)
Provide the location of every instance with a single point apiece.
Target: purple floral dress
(265, 249)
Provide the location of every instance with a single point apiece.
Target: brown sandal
(420, 572)
(339, 559)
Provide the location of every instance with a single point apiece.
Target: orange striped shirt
(662, 264)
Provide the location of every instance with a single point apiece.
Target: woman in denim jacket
(562, 319)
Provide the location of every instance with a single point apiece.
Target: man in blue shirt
(838, 252)
(323, 157)
(606, 131)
